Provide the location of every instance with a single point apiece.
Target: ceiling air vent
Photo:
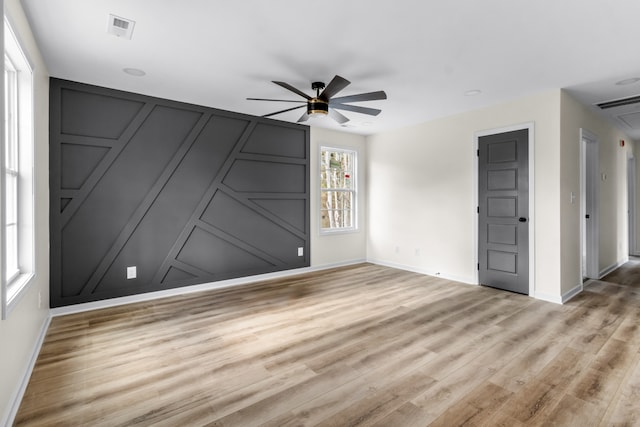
(619, 102)
(120, 27)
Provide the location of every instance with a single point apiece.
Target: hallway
(627, 275)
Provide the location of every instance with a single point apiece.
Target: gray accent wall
(186, 194)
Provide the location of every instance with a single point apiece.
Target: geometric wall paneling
(292, 211)
(261, 176)
(274, 140)
(177, 275)
(78, 161)
(250, 226)
(98, 115)
(64, 201)
(186, 194)
(185, 182)
(212, 254)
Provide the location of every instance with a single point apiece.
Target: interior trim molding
(557, 299)
(428, 272)
(612, 267)
(572, 293)
(18, 394)
(222, 284)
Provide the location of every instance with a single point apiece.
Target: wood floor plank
(356, 345)
(573, 411)
(530, 362)
(476, 408)
(624, 409)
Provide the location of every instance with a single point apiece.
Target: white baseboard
(18, 394)
(149, 296)
(572, 293)
(557, 299)
(612, 267)
(455, 278)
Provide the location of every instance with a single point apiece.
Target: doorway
(503, 210)
(589, 190)
(632, 200)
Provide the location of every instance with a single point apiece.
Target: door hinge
(478, 209)
(478, 266)
(478, 152)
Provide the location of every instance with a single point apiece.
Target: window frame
(18, 127)
(353, 190)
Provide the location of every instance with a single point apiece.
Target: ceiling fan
(324, 102)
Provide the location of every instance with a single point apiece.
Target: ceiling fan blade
(275, 100)
(293, 89)
(356, 109)
(303, 118)
(370, 96)
(283, 111)
(335, 85)
(337, 116)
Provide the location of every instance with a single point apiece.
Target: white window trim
(354, 210)
(13, 288)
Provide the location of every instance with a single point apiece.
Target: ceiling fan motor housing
(317, 106)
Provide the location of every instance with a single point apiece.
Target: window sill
(15, 291)
(330, 232)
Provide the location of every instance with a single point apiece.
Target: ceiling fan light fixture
(317, 107)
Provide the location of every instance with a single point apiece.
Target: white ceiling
(425, 54)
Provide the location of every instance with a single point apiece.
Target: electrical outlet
(132, 272)
(300, 251)
(417, 252)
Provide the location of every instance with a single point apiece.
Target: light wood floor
(362, 345)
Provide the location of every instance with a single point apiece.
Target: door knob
(521, 219)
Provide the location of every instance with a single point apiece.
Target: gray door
(503, 211)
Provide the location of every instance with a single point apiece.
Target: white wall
(336, 249)
(421, 198)
(21, 332)
(635, 148)
(613, 220)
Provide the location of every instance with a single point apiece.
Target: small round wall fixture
(136, 72)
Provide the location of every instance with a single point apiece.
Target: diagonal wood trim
(144, 207)
(244, 199)
(239, 243)
(206, 199)
(138, 174)
(106, 163)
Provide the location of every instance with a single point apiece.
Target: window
(337, 189)
(17, 176)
